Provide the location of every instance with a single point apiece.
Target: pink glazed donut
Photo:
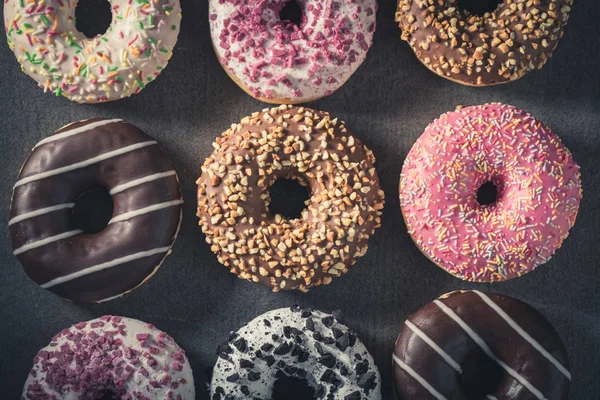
(276, 61)
(537, 185)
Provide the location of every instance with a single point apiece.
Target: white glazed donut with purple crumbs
(299, 343)
(120, 356)
(277, 61)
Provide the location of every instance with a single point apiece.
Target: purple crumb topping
(92, 362)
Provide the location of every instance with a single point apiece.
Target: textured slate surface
(388, 103)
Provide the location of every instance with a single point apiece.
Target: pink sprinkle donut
(277, 61)
(110, 355)
(537, 184)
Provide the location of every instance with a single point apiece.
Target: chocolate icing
(343, 211)
(502, 339)
(498, 47)
(151, 230)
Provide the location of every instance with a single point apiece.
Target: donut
(483, 50)
(123, 357)
(475, 345)
(99, 153)
(343, 211)
(537, 183)
(295, 342)
(121, 62)
(277, 61)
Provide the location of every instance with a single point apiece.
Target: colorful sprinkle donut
(133, 51)
(497, 47)
(54, 251)
(116, 355)
(300, 343)
(344, 209)
(474, 345)
(279, 62)
(538, 190)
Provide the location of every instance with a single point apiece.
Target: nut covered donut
(300, 343)
(121, 62)
(498, 47)
(475, 345)
(110, 355)
(54, 250)
(279, 62)
(333, 231)
(537, 184)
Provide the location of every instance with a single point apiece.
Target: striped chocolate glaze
(79, 157)
(437, 341)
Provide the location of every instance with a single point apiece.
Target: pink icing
(538, 185)
(277, 59)
(86, 360)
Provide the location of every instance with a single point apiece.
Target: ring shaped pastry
(83, 156)
(537, 184)
(279, 62)
(470, 345)
(497, 47)
(333, 230)
(300, 343)
(120, 356)
(121, 62)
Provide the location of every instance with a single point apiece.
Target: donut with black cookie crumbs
(344, 209)
(127, 358)
(481, 50)
(295, 342)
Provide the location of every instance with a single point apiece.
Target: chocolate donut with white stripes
(299, 343)
(83, 156)
(474, 345)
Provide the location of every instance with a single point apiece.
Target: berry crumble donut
(481, 50)
(119, 63)
(110, 355)
(300, 343)
(277, 61)
(532, 177)
(344, 209)
(470, 345)
(52, 245)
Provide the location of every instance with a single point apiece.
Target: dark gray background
(388, 103)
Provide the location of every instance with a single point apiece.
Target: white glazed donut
(296, 342)
(121, 356)
(133, 51)
(279, 62)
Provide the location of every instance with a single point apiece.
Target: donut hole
(288, 197)
(480, 376)
(478, 7)
(292, 12)
(292, 388)
(93, 17)
(92, 211)
(487, 193)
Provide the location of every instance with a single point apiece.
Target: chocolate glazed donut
(474, 345)
(83, 156)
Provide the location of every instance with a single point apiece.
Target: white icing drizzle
(418, 378)
(513, 324)
(434, 346)
(122, 187)
(37, 213)
(48, 240)
(145, 210)
(481, 343)
(490, 397)
(85, 163)
(76, 131)
(105, 265)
